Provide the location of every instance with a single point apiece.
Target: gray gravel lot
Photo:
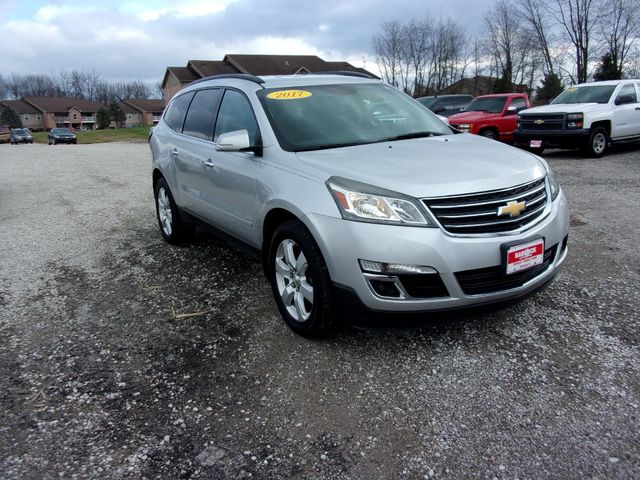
(101, 377)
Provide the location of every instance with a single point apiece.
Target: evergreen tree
(116, 113)
(10, 118)
(551, 87)
(607, 70)
(502, 85)
(103, 118)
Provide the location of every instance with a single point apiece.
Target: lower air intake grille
(494, 279)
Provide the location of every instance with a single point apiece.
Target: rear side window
(201, 114)
(519, 103)
(236, 114)
(174, 116)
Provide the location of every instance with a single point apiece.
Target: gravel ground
(101, 375)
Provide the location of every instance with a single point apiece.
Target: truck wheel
(598, 143)
(300, 280)
(492, 134)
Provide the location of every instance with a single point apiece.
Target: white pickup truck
(589, 116)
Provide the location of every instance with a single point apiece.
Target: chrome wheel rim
(164, 211)
(599, 143)
(295, 285)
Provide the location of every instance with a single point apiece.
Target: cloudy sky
(125, 39)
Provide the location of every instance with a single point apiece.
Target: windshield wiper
(408, 136)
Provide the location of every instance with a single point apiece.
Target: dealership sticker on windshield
(525, 255)
(288, 94)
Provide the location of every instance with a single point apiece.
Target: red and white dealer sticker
(524, 256)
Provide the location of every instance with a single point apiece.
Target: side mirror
(235, 141)
(624, 99)
(511, 111)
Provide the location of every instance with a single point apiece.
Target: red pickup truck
(492, 116)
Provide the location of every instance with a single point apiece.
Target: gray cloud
(120, 45)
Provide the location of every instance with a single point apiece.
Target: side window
(628, 90)
(174, 116)
(201, 113)
(519, 103)
(236, 114)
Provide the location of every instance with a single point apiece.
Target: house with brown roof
(149, 110)
(133, 118)
(30, 116)
(66, 112)
(176, 78)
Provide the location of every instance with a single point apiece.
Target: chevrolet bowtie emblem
(539, 122)
(513, 209)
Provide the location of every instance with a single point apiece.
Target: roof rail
(346, 73)
(239, 76)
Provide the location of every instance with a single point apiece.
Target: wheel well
(494, 129)
(156, 176)
(274, 217)
(606, 124)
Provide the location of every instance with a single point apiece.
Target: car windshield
(487, 104)
(20, 131)
(586, 94)
(332, 116)
(63, 131)
(427, 101)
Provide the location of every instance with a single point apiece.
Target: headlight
(575, 120)
(366, 203)
(553, 183)
(465, 127)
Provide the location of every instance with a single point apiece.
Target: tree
(607, 69)
(116, 113)
(551, 87)
(536, 19)
(103, 118)
(577, 19)
(620, 29)
(10, 118)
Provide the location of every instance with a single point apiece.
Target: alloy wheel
(599, 143)
(164, 211)
(293, 279)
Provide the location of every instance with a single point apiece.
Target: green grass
(133, 134)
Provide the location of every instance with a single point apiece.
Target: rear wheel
(300, 280)
(173, 228)
(598, 143)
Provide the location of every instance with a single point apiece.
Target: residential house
(150, 110)
(30, 116)
(176, 78)
(133, 117)
(66, 112)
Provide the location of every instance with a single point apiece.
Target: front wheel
(598, 143)
(492, 134)
(300, 280)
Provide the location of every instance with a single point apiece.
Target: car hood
(565, 108)
(470, 117)
(425, 167)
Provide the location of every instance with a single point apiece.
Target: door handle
(174, 153)
(208, 163)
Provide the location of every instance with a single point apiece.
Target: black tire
(598, 143)
(536, 151)
(321, 320)
(489, 133)
(179, 230)
(75, 142)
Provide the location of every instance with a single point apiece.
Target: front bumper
(553, 138)
(344, 242)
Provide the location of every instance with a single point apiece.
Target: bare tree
(620, 29)
(536, 18)
(577, 19)
(388, 46)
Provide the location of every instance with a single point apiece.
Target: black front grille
(424, 286)
(479, 212)
(495, 279)
(542, 122)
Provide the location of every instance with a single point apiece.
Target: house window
(75, 116)
(26, 116)
(38, 117)
(129, 116)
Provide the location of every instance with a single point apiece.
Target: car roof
(280, 81)
(448, 95)
(499, 95)
(605, 82)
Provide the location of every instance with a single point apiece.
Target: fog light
(394, 268)
(385, 289)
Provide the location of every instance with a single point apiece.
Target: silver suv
(355, 196)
